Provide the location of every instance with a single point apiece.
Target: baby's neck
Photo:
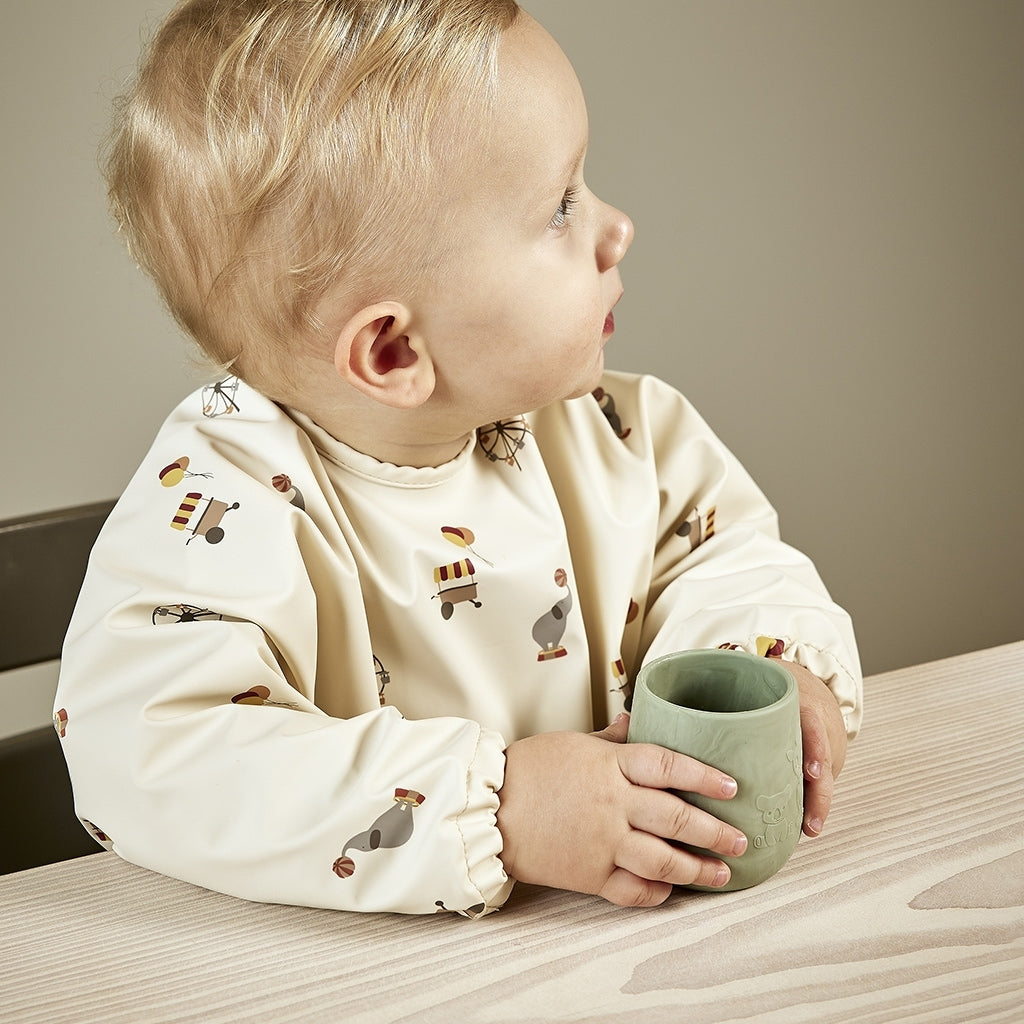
(398, 437)
(418, 455)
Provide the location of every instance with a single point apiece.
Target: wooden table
(909, 908)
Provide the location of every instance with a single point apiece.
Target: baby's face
(520, 312)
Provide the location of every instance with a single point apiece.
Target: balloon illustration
(172, 475)
(258, 696)
(463, 537)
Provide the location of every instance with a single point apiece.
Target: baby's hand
(824, 741)
(591, 813)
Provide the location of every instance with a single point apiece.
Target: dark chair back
(42, 563)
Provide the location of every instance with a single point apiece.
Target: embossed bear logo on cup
(740, 714)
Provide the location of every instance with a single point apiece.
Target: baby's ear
(380, 354)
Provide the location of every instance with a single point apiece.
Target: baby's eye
(565, 208)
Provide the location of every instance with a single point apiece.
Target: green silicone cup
(740, 714)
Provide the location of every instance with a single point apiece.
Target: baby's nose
(616, 238)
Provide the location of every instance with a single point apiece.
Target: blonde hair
(268, 150)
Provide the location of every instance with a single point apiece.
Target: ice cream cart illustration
(208, 523)
(456, 582)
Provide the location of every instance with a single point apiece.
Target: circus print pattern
(456, 581)
(173, 474)
(283, 482)
(765, 646)
(208, 523)
(391, 829)
(219, 398)
(259, 696)
(502, 441)
(549, 629)
(697, 527)
(607, 405)
(174, 613)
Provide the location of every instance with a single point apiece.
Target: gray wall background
(829, 204)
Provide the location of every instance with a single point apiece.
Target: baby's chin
(592, 380)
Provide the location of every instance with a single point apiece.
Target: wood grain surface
(909, 909)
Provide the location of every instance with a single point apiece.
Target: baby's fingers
(657, 813)
(646, 869)
(625, 889)
(819, 781)
(654, 767)
(817, 801)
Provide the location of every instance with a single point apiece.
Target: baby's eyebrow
(563, 174)
(574, 162)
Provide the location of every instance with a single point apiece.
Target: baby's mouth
(609, 320)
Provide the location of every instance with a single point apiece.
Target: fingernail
(816, 825)
(721, 878)
(739, 847)
(620, 717)
(729, 787)
(814, 769)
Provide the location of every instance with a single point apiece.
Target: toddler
(362, 630)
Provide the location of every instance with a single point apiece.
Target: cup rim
(790, 683)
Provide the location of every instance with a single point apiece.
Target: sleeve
(721, 575)
(220, 718)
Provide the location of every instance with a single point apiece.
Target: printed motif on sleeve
(392, 829)
(172, 475)
(766, 647)
(208, 522)
(259, 696)
(219, 398)
(472, 912)
(698, 527)
(173, 613)
(383, 678)
(283, 482)
(98, 834)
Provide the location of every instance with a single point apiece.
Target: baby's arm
(200, 761)
(591, 813)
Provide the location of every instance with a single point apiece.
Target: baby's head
(271, 152)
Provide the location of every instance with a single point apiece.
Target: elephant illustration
(549, 628)
(391, 829)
